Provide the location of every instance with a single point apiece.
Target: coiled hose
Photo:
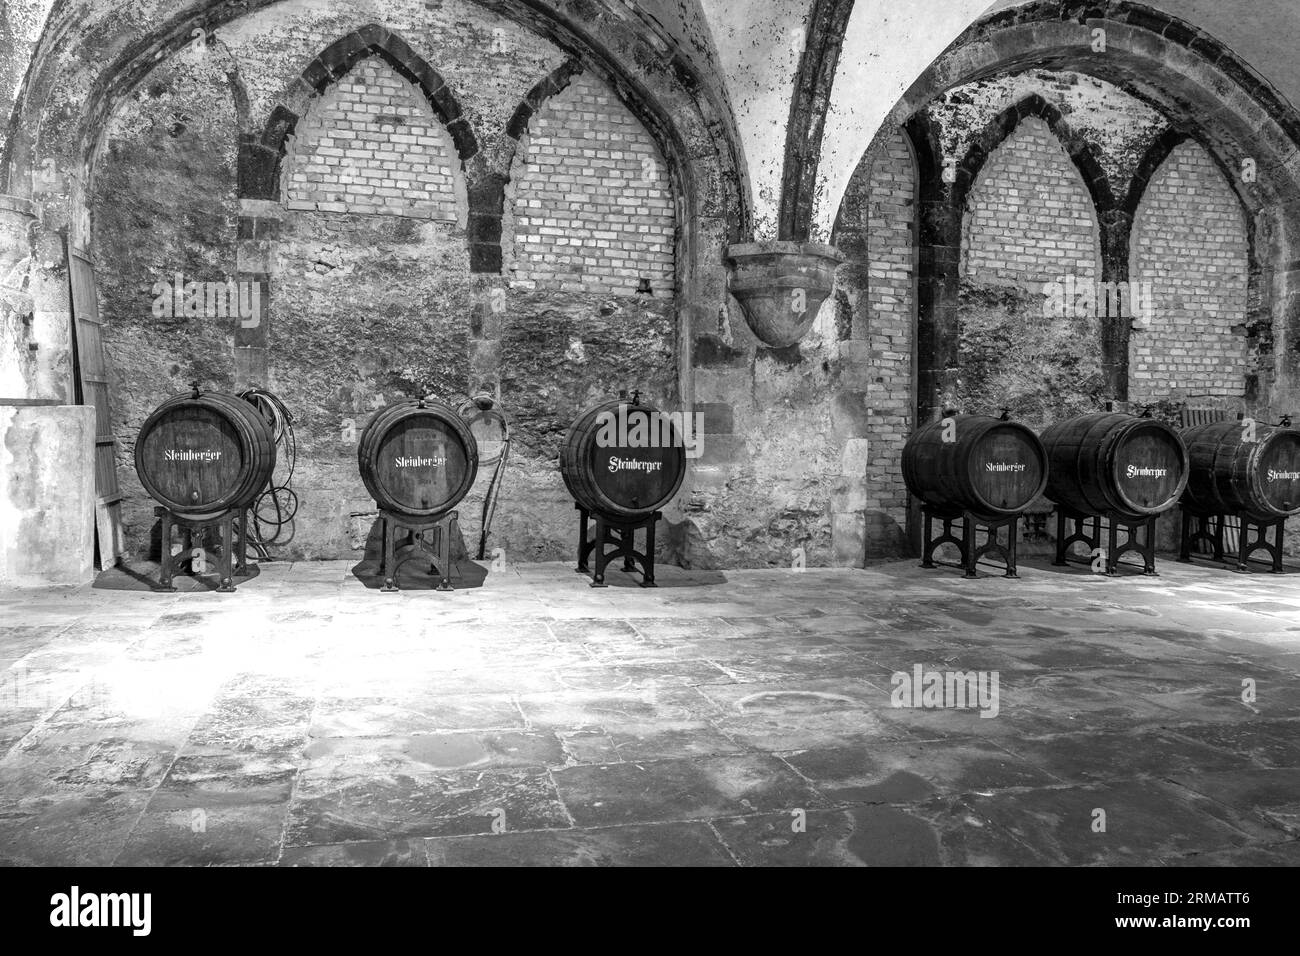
(274, 509)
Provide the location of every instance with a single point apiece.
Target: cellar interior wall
(371, 296)
(375, 296)
(1028, 224)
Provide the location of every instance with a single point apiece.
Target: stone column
(1285, 282)
(260, 221)
(938, 289)
(17, 217)
(1116, 230)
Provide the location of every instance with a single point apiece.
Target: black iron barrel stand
(418, 529)
(621, 534)
(1139, 537)
(232, 527)
(1253, 537)
(971, 526)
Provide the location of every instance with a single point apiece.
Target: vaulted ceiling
(747, 52)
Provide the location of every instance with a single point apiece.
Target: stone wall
(371, 298)
(371, 144)
(163, 204)
(47, 495)
(1041, 152)
(1190, 245)
(451, 251)
(593, 207)
(877, 286)
(1029, 222)
(1029, 217)
(784, 433)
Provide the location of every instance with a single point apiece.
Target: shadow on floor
(415, 568)
(666, 576)
(143, 576)
(1079, 566)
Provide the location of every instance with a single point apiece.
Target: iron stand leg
(165, 536)
(615, 538)
(444, 552)
(388, 564)
(584, 547)
(227, 545)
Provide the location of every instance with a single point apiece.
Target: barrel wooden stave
(955, 476)
(600, 478)
(1109, 463)
(1229, 475)
(418, 458)
(222, 454)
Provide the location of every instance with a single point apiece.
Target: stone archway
(945, 194)
(70, 92)
(79, 75)
(261, 156)
(1202, 89)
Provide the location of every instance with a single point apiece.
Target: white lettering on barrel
(1135, 472)
(190, 454)
(633, 464)
(1283, 475)
(419, 462)
(1004, 466)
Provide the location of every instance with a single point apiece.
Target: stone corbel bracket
(780, 286)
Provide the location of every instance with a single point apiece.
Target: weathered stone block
(848, 539)
(47, 495)
(850, 416)
(718, 385)
(855, 457)
(856, 352)
(709, 478)
(850, 494)
(719, 419)
(722, 450)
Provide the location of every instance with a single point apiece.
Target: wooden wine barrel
(1114, 464)
(991, 468)
(203, 453)
(617, 471)
(418, 458)
(1229, 475)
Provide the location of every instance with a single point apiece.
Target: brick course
(875, 231)
(371, 144)
(891, 324)
(593, 205)
(1189, 242)
(1030, 218)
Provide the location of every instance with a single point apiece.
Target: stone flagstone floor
(739, 717)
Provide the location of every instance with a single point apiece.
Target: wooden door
(92, 389)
